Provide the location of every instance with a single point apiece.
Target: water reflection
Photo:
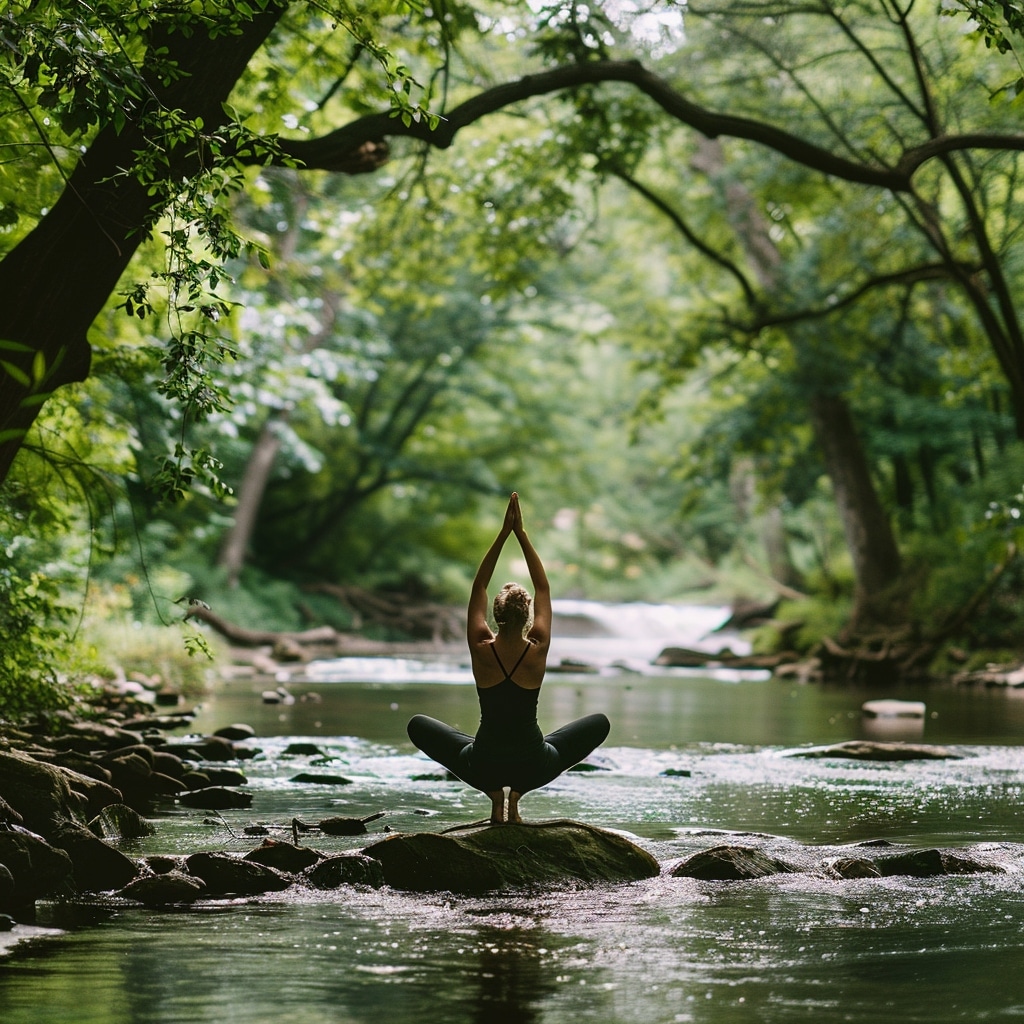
(513, 976)
(803, 947)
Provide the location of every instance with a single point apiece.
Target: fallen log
(243, 637)
(687, 657)
(418, 619)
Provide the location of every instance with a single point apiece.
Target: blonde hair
(512, 606)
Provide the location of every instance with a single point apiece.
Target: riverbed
(692, 760)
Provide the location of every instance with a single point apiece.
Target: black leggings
(561, 750)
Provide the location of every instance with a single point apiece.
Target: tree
(145, 96)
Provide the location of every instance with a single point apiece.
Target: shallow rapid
(692, 761)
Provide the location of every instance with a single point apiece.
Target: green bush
(35, 641)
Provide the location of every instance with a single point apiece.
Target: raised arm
(477, 629)
(540, 631)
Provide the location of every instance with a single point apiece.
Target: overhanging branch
(361, 145)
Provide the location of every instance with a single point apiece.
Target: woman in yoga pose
(509, 752)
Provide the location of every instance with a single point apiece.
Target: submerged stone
(509, 857)
(868, 750)
(342, 826)
(313, 779)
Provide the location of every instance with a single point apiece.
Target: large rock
(35, 867)
(98, 867)
(215, 798)
(94, 793)
(40, 793)
(931, 863)
(160, 890)
(284, 856)
(731, 864)
(88, 736)
(224, 875)
(345, 869)
(509, 857)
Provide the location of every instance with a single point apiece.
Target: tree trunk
(869, 537)
(250, 497)
(54, 283)
(866, 527)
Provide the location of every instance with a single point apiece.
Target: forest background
(293, 294)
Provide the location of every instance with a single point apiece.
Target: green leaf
(35, 399)
(17, 373)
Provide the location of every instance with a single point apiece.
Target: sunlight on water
(691, 762)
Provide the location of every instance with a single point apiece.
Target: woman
(509, 751)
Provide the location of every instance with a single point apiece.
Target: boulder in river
(932, 863)
(118, 821)
(39, 793)
(36, 868)
(852, 867)
(224, 875)
(162, 890)
(215, 798)
(730, 864)
(345, 869)
(284, 856)
(98, 867)
(470, 862)
(238, 731)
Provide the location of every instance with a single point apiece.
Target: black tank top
(508, 715)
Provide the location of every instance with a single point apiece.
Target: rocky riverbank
(74, 791)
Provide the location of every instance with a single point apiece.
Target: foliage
(585, 302)
(35, 614)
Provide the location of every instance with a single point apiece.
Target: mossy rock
(470, 862)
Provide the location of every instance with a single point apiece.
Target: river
(787, 948)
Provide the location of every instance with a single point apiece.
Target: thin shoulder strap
(518, 662)
(497, 657)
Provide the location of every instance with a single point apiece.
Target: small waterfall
(633, 635)
(591, 634)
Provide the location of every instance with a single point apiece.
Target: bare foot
(497, 807)
(513, 808)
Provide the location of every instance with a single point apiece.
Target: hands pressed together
(513, 516)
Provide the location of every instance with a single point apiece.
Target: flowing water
(785, 948)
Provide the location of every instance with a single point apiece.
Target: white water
(608, 638)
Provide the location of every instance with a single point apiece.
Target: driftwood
(431, 622)
(320, 635)
(687, 657)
